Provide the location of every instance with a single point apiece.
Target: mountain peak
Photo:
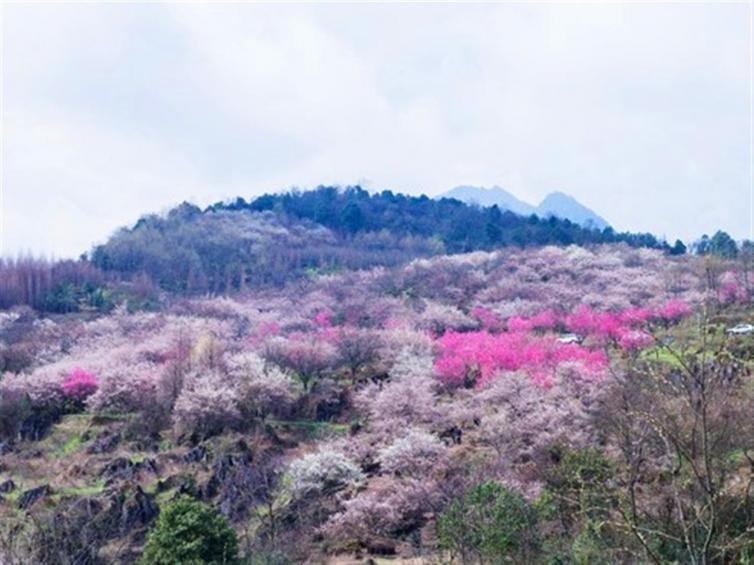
(564, 205)
(556, 203)
(489, 197)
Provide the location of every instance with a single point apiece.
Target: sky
(110, 111)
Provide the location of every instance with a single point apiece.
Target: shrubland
(553, 404)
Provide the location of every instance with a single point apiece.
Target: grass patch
(71, 446)
(87, 490)
(67, 436)
(661, 355)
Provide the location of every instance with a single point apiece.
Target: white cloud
(640, 111)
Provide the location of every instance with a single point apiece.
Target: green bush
(189, 532)
(489, 524)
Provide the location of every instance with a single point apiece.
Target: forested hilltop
(278, 237)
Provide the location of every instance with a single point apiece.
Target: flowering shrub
(415, 452)
(633, 340)
(476, 357)
(206, 406)
(323, 471)
(388, 505)
(310, 359)
(79, 385)
(125, 390)
(674, 310)
(543, 321)
(263, 390)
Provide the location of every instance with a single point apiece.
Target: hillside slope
(278, 238)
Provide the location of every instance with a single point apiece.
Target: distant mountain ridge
(556, 204)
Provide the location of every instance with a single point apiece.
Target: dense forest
(277, 237)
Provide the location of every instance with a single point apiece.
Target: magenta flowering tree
(587, 322)
(474, 358)
(79, 385)
(546, 320)
(674, 310)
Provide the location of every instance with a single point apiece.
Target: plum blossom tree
(415, 453)
(487, 319)
(307, 357)
(263, 389)
(357, 349)
(474, 358)
(79, 385)
(387, 507)
(125, 389)
(37, 396)
(323, 471)
(674, 310)
(545, 320)
(401, 402)
(207, 405)
(520, 420)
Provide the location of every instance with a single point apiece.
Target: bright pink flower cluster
(79, 384)
(624, 327)
(462, 353)
(543, 321)
(673, 310)
(587, 322)
(485, 354)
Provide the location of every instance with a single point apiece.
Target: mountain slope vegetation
(438, 410)
(277, 237)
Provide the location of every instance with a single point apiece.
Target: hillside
(353, 414)
(276, 238)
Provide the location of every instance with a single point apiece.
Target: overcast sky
(113, 110)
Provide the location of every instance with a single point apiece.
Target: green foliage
(721, 244)
(576, 483)
(490, 523)
(279, 237)
(678, 248)
(68, 297)
(62, 299)
(190, 532)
